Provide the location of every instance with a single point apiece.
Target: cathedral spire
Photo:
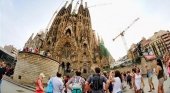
(31, 36)
(102, 42)
(85, 4)
(80, 10)
(87, 14)
(62, 10)
(74, 10)
(66, 4)
(29, 40)
(72, 1)
(81, 2)
(69, 8)
(98, 38)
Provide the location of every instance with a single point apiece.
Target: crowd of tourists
(36, 51)
(108, 82)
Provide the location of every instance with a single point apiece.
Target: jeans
(120, 92)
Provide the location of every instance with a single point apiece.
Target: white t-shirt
(138, 81)
(117, 85)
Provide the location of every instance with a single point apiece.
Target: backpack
(96, 83)
(77, 86)
(129, 77)
(110, 87)
(49, 88)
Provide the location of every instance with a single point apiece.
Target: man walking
(96, 82)
(57, 83)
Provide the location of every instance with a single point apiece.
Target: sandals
(150, 91)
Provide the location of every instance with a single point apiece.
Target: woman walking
(116, 79)
(39, 84)
(138, 79)
(160, 76)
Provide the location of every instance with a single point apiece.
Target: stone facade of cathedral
(71, 39)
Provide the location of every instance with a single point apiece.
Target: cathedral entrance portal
(66, 51)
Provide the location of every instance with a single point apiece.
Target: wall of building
(30, 65)
(11, 49)
(166, 38)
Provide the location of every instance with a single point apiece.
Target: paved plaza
(155, 81)
(8, 87)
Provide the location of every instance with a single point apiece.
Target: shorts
(149, 79)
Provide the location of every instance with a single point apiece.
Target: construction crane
(103, 4)
(96, 5)
(123, 32)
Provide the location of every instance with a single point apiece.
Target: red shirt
(39, 86)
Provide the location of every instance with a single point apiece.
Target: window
(84, 71)
(68, 32)
(19, 77)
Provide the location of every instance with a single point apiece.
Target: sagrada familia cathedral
(70, 38)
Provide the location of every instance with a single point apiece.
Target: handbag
(49, 88)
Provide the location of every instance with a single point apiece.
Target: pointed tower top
(81, 9)
(98, 38)
(85, 4)
(30, 39)
(102, 42)
(66, 4)
(74, 10)
(69, 8)
(31, 36)
(72, 1)
(81, 2)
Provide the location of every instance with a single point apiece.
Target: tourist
(149, 76)
(123, 81)
(138, 81)
(105, 74)
(77, 83)
(2, 72)
(116, 79)
(167, 64)
(66, 78)
(110, 87)
(168, 68)
(125, 76)
(160, 76)
(166, 58)
(36, 50)
(57, 83)
(30, 49)
(39, 84)
(133, 77)
(96, 81)
(129, 79)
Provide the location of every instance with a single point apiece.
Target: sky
(20, 18)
